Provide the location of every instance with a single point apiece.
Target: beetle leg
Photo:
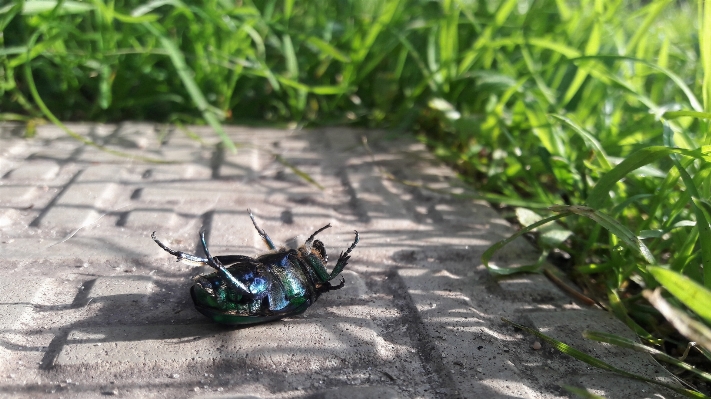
(215, 263)
(261, 232)
(311, 238)
(186, 258)
(328, 287)
(343, 259)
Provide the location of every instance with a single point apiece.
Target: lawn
(585, 122)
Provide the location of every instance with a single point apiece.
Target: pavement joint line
(36, 222)
(426, 349)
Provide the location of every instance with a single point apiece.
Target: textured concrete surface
(92, 307)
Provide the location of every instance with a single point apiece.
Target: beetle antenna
(311, 238)
(261, 232)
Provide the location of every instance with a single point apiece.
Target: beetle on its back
(246, 290)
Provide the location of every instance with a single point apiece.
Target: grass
(593, 113)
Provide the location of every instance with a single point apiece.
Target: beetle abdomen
(245, 290)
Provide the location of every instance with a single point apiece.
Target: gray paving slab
(92, 307)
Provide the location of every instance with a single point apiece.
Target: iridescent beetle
(246, 290)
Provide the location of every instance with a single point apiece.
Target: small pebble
(174, 376)
(536, 346)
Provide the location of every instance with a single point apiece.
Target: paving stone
(205, 194)
(133, 135)
(18, 298)
(366, 392)
(150, 219)
(134, 245)
(339, 343)
(138, 286)
(17, 195)
(568, 326)
(533, 288)
(177, 173)
(78, 204)
(35, 170)
(245, 164)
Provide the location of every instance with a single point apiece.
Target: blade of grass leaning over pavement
(636, 346)
(584, 357)
(505, 271)
(619, 310)
(685, 324)
(185, 75)
(689, 292)
(297, 171)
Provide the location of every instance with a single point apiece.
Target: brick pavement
(91, 306)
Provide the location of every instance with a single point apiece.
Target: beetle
(245, 290)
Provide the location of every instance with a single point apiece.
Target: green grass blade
(693, 114)
(39, 6)
(592, 47)
(49, 115)
(678, 80)
(704, 13)
(144, 9)
(292, 65)
(328, 49)
(589, 139)
(600, 193)
(686, 325)
(692, 294)
(186, 76)
(570, 351)
(493, 269)
(702, 220)
(636, 346)
(288, 9)
(9, 11)
(297, 171)
(618, 309)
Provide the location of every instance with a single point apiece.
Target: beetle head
(320, 250)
